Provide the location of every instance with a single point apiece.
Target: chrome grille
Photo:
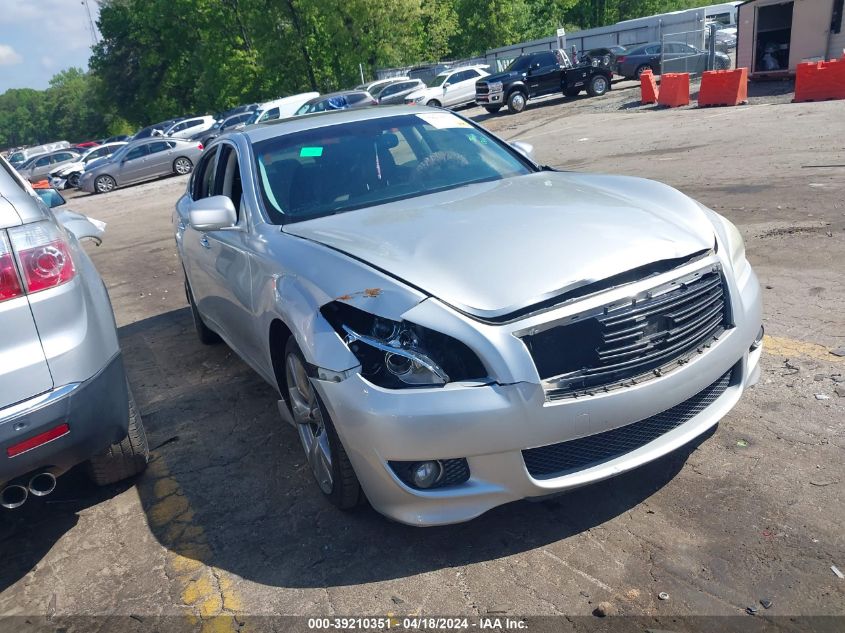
(556, 460)
(623, 344)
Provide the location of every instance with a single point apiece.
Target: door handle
(204, 242)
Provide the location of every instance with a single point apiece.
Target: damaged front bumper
(499, 429)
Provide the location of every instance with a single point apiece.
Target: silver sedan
(141, 160)
(451, 326)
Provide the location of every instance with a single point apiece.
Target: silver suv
(64, 399)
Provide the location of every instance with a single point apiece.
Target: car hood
(493, 248)
(66, 168)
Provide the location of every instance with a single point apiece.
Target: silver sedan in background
(451, 326)
(141, 160)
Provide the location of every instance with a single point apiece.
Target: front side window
(137, 152)
(335, 169)
(203, 179)
(439, 80)
(546, 59)
(520, 64)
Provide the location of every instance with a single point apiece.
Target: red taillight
(620, 59)
(199, 146)
(43, 256)
(10, 285)
(38, 440)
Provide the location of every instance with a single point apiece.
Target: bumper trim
(38, 402)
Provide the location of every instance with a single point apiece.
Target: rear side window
(159, 146)
(545, 59)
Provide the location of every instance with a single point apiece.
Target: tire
(336, 480)
(517, 101)
(104, 184)
(434, 103)
(126, 458)
(641, 69)
(73, 180)
(492, 109)
(598, 86)
(183, 166)
(572, 92)
(206, 335)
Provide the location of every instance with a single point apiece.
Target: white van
(16, 159)
(280, 108)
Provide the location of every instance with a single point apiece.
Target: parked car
(725, 38)
(189, 127)
(241, 109)
(375, 87)
(449, 89)
(436, 349)
(395, 93)
(39, 167)
(280, 108)
(337, 101)
(86, 145)
(678, 58)
(537, 74)
(235, 120)
(19, 157)
(68, 174)
(605, 56)
(64, 399)
(141, 160)
(156, 129)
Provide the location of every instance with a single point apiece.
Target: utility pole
(91, 25)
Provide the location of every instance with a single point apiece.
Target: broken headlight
(400, 354)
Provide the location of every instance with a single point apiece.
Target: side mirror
(446, 85)
(51, 197)
(213, 213)
(526, 149)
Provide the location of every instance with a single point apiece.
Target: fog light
(759, 340)
(426, 474)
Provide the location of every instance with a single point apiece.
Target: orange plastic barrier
(674, 90)
(820, 81)
(41, 184)
(723, 88)
(648, 88)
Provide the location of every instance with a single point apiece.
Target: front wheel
(326, 456)
(183, 166)
(434, 103)
(104, 184)
(572, 92)
(492, 109)
(516, 102)
(126, 458)
(206, 335)
(598, 86)
(73, 180)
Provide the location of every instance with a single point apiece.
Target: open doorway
(774, 32)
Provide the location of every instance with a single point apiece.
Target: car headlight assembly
(419, 99)
(736, 247)
(400, 354)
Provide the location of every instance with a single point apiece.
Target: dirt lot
(227, 520)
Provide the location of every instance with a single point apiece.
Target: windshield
(519, 64)
(339, 168)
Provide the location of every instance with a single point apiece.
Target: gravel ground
(227, 521)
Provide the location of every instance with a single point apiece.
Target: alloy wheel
(309, 421)
(183, 166)
(105, 184)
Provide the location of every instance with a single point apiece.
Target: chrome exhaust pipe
(13, 496)
(42, 484)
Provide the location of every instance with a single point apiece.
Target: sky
(39, 38)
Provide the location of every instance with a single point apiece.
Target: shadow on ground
(236, 471)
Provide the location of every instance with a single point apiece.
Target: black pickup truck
(537, 74)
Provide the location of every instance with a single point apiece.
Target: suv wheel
(572, 92)
(516, 101)
(598, 86)
(492, 109)
(126, 458)
(434, 103)
(326, 456)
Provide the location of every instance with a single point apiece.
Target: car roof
(271, 129)
(339, 93)
(449, 71)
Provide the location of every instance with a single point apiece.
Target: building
(775, 36)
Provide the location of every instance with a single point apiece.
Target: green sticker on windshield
(310, 152)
